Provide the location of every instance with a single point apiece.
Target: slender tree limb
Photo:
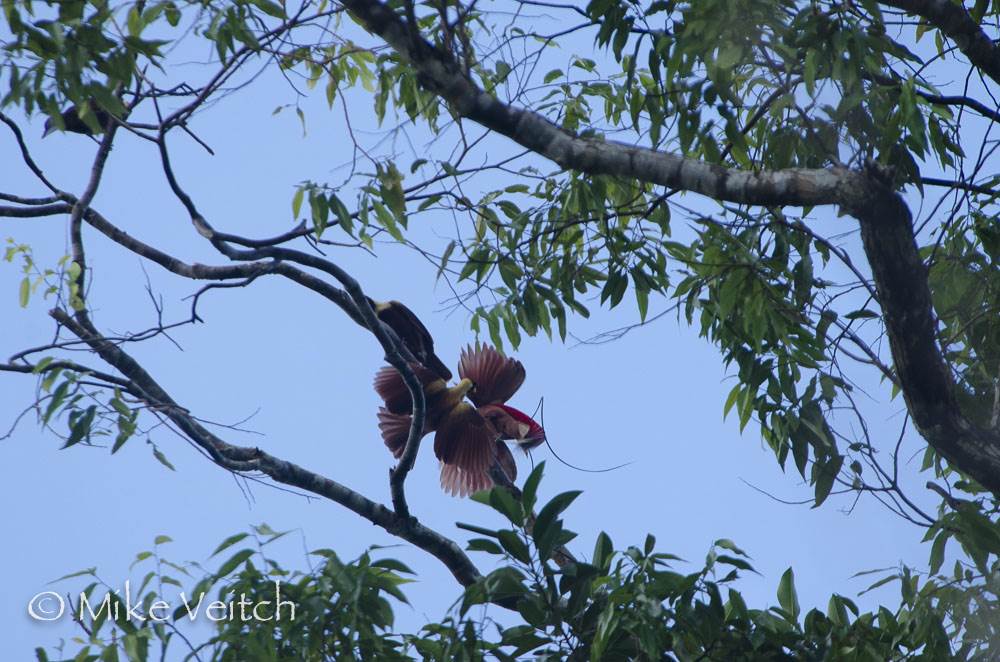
(396, 353)
(29, 368)
(34, 212)
(80, 206)
(243, 459)
(26, 155)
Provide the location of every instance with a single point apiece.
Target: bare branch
(244, 459)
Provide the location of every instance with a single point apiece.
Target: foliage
(622, 604)
(780, 289)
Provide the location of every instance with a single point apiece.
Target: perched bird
(469, 438)
(412, 332)
(72, 122)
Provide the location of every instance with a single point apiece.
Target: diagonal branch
(396, 353)
(886, 224)
(443, 75)
(923, 375)
(954, 21)
(244, 459)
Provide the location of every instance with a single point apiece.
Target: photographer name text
(52, 606)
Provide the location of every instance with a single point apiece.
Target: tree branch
(396, 353)
(954, 22)
(904, 294)
(440, 73)
(243, 459)
(886, 225)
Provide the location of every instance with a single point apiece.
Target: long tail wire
(541, 408)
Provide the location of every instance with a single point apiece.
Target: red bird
(468, 439)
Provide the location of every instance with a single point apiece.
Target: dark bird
(72, 122)
(412, 332)
(469, 438)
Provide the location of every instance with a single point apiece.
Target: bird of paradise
(468, 436)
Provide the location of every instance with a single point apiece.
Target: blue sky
(303, 371)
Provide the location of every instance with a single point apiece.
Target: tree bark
(886, 224)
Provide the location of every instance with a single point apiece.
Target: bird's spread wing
(395, 429)
(457, 482)
(465, 444)
(392, 389)
(496, 377)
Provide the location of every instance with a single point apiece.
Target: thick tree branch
(886, 226)
(901, 282)
(34, 212)
(440, 73)
(954, 22)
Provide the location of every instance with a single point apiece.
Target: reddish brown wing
(392, 389)
(465, 444)
(395, 429)
(496, 377)
(459, 483)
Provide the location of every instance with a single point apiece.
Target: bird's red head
(535, 435)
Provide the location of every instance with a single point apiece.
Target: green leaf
(343, 215)
(234, 562)
(603, 552)
(483, 498)
(726, 543)
(394, 565)
(81, 427)
(42, 364)
(78, 573)
(546, 529)
(162, 459)
(57, 399)
(504, 503)
(297, 201)
(530, 489)
(269, 8)
(825, 473)
(514, 546)
(320, 212)
(24, 292)
(445, 256)
(642, 300)
(229, 542)
(937, 551)
(787, 597)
